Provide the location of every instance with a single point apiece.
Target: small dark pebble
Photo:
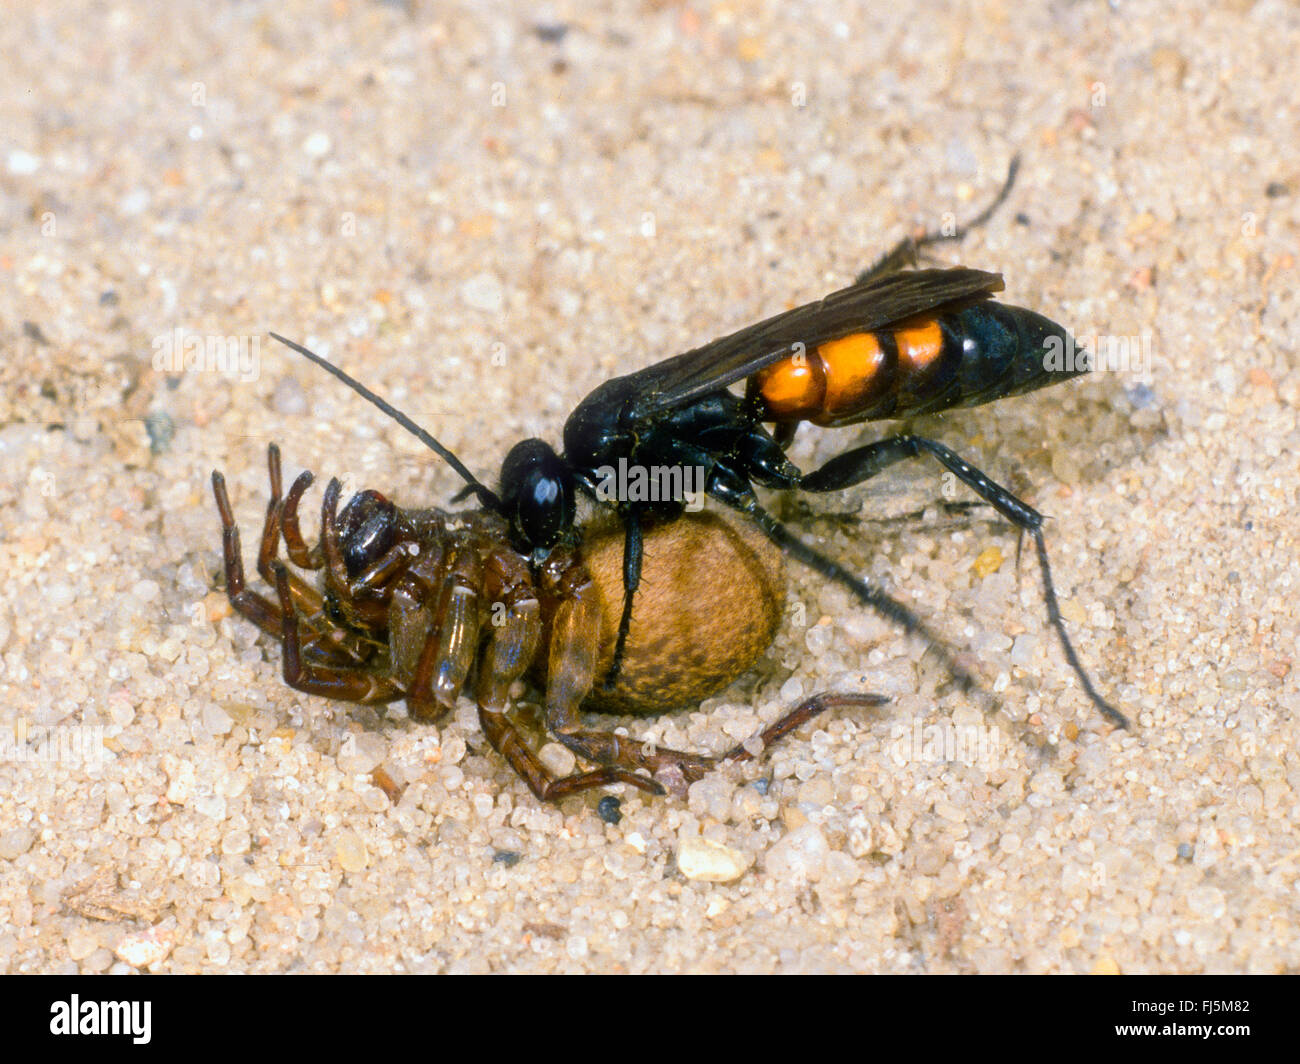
(33, 332)
(1277, 189)
(161, 429)
(609, 809)
(551, 32)
(1250, 526)
(1141, 396)
(108, 298)
(761, 785)
(1185, 851)
(507, 857)
(1022, 218)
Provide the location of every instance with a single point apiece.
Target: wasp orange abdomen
(959, 357)
(855, 378)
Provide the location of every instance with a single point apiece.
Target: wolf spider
(415, 601)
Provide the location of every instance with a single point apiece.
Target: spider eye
(536, 494)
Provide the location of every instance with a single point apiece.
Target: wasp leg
(906, 252)
(632, 555)
(862, 463)
(345, 682)
(741, 498)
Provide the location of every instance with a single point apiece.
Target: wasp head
(537, 495)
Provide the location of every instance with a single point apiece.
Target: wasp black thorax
(708, 446)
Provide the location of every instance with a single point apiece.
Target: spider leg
(509, 652)
(307, 597)
(452, 642)
(249, 604)
(797, 716)
(346, 683)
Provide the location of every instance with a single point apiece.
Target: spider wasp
(897, 343)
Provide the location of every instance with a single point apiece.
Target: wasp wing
(875, 304)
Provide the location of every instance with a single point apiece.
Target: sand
(486, 212)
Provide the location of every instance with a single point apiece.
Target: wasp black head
(537, 495)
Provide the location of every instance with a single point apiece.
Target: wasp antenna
(485, 496)
(905, 253)
(987, 212)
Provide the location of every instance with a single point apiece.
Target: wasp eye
(536, 494)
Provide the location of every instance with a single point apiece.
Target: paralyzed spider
(420, 604)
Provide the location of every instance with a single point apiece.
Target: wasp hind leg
(740, 497)
(863, 463)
